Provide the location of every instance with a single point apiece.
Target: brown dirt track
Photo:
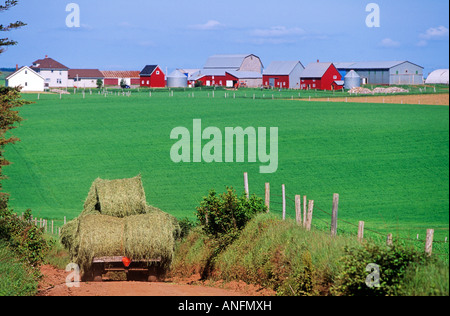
(53, 284)
(429, 99)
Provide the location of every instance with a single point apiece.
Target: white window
(148, 81)
(157, 72)
(334, 77)
(314, 85)
(143, 81)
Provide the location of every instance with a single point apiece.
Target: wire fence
(322, 220)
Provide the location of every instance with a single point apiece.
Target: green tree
(10, 99)
(5, 42)
(99, 83)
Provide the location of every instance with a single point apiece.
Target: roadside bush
(394, 263)
(16, 278)
(227, 214)
(24, 238)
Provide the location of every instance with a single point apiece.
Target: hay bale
(98, 236)
(119, 198)
(150, 236)
(139, 237)
(68, 237)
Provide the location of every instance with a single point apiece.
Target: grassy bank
(16, 277)
(283, 257)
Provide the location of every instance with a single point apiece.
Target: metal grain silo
(352, 80)
(177, 79)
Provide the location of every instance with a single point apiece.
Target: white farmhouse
(56, 75)
(27, 79)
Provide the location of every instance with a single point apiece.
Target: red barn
(153, 77)
(283, 75)
(320, 76)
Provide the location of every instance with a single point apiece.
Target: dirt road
(53, 284)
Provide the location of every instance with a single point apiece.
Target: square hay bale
(119, 198)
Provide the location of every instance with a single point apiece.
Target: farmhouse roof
(281, 67)
(48, 63)
(371, 64)
(20, 69)
(316, 70)
(85, 73)
(148, 70)
(120, 73)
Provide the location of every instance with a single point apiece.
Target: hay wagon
(141, 270)
(118, 232)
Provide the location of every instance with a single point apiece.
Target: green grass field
(389, 163)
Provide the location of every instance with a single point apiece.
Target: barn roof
(371, 64)
(207, 72)
(316, 70)
(48, 63)
(120, 74)
(281, 67)
(232, 62)
(245, 74)
(85, 73)
(148, 70)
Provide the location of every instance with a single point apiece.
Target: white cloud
(278, 31)
(389, 43)
(210, 25)
(434, 33)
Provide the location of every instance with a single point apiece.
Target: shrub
(394, 262)
(227, 214)
(23, 237)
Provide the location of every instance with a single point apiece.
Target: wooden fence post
(305, 209)
(247, 192)
(390, 241)
(283, 190)
(298, 209)
(361, 231)
(267, 193)
(334, 215)
(310, 215)
(429, 242)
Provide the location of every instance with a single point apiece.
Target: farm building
(248, 62)
(55, 74)
(153, 77)
(230, 71)
(283, 74)
(226, 78)
(439, 76)
(352, 80)
(26, 78)
(113, 78)
(177, 79)
(321, 76)
(84, 78)
(384, 72)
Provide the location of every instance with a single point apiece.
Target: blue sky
(127, 35)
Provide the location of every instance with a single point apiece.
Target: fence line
(308, 212)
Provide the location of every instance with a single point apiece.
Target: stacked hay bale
(116, 221)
